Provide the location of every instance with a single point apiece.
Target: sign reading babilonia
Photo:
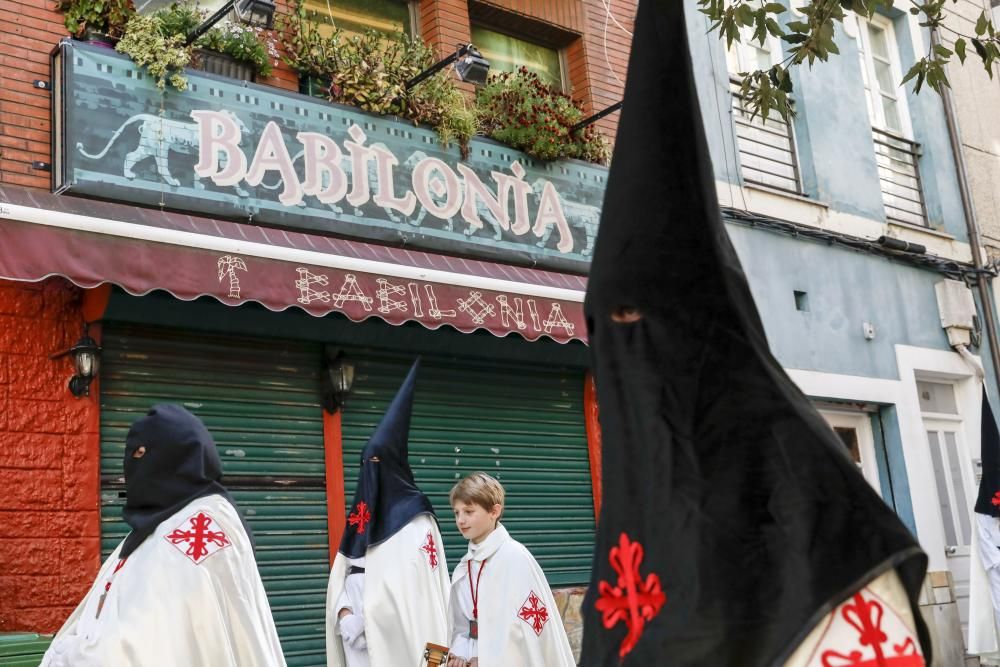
(236, 150)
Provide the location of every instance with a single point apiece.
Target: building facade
(236, 293)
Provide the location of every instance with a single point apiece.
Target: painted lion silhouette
(157, 137)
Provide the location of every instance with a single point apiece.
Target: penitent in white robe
(984, 590)
(405, 594)
(189, 595)
(519, 623)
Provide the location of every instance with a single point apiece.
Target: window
(895, 151)
(150, 6)
(766, 148)
(508, 54)
(355, 16)
(854, 428)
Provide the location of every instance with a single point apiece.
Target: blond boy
(502, 610)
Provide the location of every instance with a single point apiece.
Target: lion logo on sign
(157, 137)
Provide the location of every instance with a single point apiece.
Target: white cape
(180, 601)
(983, 636)
(405, 598)
(519, 622)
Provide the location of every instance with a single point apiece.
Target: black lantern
(337, 381)
(255, 13)
(469, 65)
(86, 355)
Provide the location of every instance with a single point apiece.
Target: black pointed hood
(732, 519)
(988, 501)
(181, 464)
(387, 496)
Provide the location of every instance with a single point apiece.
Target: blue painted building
(859, 326)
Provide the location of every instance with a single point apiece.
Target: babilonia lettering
(353, 173)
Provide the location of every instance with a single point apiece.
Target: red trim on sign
(590, 416)
(335, 505)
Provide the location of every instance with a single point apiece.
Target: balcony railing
(767, 148)
(899, 176)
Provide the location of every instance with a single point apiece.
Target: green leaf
(980, 49)
(960, 49)
(982, 24)
(918, 68)
(745, 15)
(942, 51)
(774, 8)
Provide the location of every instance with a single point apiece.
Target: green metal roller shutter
(522, 424)
(260, 400)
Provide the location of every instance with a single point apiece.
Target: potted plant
(309, 52)
(519, 110)
(97, 21)
(163, 55)
(237, 51)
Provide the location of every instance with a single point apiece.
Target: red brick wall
(49, 444)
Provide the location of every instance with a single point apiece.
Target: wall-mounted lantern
(469, 65)
(338, 378)
(86, 356)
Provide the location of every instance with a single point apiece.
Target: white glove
(352, 629)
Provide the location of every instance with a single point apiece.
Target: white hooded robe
(405, 602)
(190, 594)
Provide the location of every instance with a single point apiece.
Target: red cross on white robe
(430, 548)
(534, 613)
(198, 537)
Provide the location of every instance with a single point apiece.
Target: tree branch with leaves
(809, 36)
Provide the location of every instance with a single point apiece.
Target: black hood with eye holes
(387, 497)
(724, 489)
(181, 464)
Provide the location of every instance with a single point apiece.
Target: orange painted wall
(49, 446)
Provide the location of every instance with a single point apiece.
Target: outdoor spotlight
(337, 381)
(469, 65)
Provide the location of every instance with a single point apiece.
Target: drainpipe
(989, 318)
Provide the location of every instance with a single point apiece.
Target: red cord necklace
(474, 623)
(107, 588)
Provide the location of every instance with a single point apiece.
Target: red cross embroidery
(534, 613)
(360, 517)
(430, 547)
(865, 616)
(199, 540)
(633, 600)
(996, 499)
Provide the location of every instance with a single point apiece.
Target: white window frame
(736, 54)
(877, 115)
(861, 423)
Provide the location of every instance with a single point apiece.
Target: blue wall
(832, 129)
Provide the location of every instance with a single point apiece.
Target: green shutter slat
(523, 424)
(260, 400)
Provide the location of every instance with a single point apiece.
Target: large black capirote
(745, 502)
(181, 464)
(387, 497)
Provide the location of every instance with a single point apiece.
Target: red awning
(140, 250)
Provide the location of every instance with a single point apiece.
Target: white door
(954, 481)
(854, 428)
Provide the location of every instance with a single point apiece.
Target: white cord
(607, 58)
(970, 358)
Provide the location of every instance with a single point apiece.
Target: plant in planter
(519, 110)
(244, 44)
(163, 55)
(96, 18)
(307, 51)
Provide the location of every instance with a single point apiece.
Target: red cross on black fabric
(634, 600)
(360, 517)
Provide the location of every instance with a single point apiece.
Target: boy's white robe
(168, 607)
(512, 593)
(984, 590)
(405, 597)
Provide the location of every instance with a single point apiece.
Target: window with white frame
(896, 153)
(766, 147)
(390, 17)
